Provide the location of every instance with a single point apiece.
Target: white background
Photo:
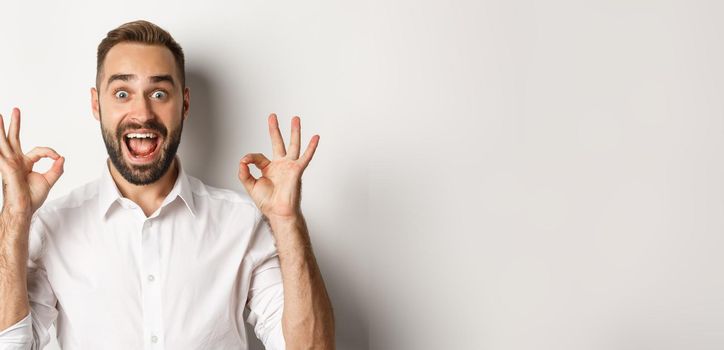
(491, 174)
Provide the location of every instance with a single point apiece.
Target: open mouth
(141, 145)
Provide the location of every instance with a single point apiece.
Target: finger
(276, 137)
(14, 131)
(40, 152)
(294, 140)
(4, 145)
(53, 174)
(257, 159)
(309, 152)
(245, 176)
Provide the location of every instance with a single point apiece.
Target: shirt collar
(108, 192)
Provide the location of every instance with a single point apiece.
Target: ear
(95, 106)
(187, 102)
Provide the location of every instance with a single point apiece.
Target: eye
(121, 94)
(158, 94)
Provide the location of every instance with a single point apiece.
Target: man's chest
(150, 279)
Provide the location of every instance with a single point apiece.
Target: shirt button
(151, 278)
(154, 339)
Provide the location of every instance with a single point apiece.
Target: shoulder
(77, 199)
(232, 210)
(60, 212)
(217, 196)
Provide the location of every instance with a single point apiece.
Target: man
(148, 257)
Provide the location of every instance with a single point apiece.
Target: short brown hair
(143, 32)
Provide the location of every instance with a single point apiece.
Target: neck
(149, 197)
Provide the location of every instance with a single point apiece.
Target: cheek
(168, 112)
(108, 128)
(111, 110)
(110, 119)
(163, 108)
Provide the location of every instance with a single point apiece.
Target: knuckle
(16, 159)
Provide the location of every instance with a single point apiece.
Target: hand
(24, 190)
(277, 192)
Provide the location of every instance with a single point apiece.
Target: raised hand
(277, 193)
(24, 190)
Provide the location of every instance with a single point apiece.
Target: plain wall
(491, 174)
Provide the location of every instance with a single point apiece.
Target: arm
(32, 331)
(13, 257)
(23, 193)
(307, 320)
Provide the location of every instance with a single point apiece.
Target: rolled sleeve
(32, 332)
(18, 336)
(266, 293)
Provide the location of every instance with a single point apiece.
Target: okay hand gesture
(277, 193)
(24, 190)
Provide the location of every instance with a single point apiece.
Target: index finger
(309, 153)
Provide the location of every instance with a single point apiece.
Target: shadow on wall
(200, 148)
(201, 152)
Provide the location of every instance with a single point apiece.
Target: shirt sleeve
(266, 291)
(32, 332)
(18, 336)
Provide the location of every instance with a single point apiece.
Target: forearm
(308, 320)
(13, 278)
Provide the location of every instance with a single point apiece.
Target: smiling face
(141, 106)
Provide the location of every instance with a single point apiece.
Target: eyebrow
(160, 78)
(121, 77)
(129, 77)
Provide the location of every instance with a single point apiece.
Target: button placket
(152, 310)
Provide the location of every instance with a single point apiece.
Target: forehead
(139, 59)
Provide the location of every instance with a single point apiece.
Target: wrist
(290, 232)
(17, 210)
(14, 241)
(14, 223)
(11, 217)
(285, 220)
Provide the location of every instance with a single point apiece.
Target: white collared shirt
(180, 278)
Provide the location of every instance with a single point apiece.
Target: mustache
(151, 125)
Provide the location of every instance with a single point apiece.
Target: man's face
(141, 106)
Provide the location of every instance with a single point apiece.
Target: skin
(24, 190)
(307, 321)
(141, 106)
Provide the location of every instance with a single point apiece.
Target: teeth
(141, 136)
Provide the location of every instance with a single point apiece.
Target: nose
(141, 110)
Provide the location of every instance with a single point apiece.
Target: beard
(146, 173)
